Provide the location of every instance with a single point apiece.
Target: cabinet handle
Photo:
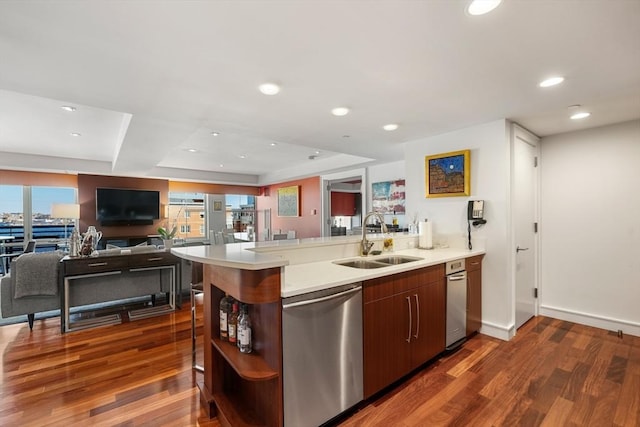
(475, 263)
(417, 316)
(409, 304)
(155, 259)
(96, 264)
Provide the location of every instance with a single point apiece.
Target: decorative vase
(90, 241)
(168, 243)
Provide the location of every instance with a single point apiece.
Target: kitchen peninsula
(262, 274)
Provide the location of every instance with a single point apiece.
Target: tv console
(112, 277)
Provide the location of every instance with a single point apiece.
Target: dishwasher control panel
(454, 266)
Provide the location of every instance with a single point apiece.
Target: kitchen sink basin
(396, 259)
(361, 263)
(377, 262)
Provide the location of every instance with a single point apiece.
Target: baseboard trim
(501, 332)
(602, 322)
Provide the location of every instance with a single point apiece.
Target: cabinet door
(474, 301)
(428, 335)
(384, 345)
(342, 204)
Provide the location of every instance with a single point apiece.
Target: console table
(74, 268)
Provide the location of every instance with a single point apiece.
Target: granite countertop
(303, 278)
(311, 276)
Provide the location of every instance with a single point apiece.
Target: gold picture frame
(448, 174)
(289, 201)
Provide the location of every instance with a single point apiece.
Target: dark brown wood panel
(248, 286)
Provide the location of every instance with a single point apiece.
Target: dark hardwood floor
(139, 373)
(553, 373)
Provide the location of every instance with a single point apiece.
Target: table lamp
(65, 211)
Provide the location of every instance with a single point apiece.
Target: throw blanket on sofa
(36, 274)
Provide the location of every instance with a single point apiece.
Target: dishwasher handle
(457, 277)
(317, 300)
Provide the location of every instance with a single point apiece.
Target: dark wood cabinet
(404, 324)
(474, 294)
(243, 389)
(343, 204)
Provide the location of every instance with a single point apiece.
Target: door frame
(520, 133)
(325, 183)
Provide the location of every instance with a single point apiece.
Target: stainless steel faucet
(365, 245)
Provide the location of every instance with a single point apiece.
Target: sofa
(37, 298)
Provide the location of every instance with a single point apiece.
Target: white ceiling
(151, 79)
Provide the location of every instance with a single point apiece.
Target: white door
(524, 204)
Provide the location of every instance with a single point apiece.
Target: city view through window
(25, 212)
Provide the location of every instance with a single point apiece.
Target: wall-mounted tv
(115, 206)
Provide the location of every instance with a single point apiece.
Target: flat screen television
(115, 206)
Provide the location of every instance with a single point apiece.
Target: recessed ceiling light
(221, 165)
(76, 134)
(68, 108)
(273, 144)
(340, 111)
(269, 88)
(576, 112)
(215, 133)
(552, 81)
(242, 156)
(580, 115)
(317, 151)
(480, 7)
(390, 127)
(192, 150)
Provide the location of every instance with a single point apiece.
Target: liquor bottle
(232, 323)
(225, 304)
(244, 330)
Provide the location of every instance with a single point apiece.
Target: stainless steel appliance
(456, 304)
(322, 354)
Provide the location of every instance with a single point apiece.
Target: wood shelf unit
(250, 366)
(244, 389)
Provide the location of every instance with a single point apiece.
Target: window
(181, 207)
(25, 213)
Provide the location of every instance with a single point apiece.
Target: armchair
(31, 285)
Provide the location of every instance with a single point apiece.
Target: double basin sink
(381, 262)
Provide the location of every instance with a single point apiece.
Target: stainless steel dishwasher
(322, 354)
(456, 304)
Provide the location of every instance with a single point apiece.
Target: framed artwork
(289, 201)
(448, 174)
(388, 197)
(217, 205)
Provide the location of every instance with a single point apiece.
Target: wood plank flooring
(553, 373)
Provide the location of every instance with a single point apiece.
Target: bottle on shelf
(225, 309)
(232, 323)
(244, 330)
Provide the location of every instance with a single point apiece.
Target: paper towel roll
(425, 235)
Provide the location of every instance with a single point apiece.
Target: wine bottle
(232, 323)
(224, 315)
(244, 331)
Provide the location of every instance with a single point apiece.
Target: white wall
(490, 177)
(386, 172)
(590, 227)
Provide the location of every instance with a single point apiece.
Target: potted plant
(167, 236)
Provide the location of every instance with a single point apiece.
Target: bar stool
(196, 289)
